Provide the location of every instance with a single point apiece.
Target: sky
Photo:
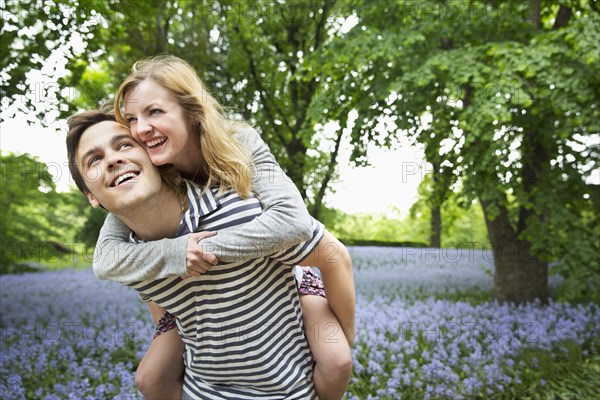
(390, 181)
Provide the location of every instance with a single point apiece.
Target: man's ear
(95, 203)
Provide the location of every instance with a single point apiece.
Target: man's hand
(198, 261)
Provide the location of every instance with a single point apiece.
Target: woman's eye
(155, 111)
(130, 120)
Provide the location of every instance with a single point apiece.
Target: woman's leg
(329, 347)
(332, 258)
(160, 373)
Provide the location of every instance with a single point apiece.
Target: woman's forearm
(115, 258)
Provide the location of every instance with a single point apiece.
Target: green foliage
(91, 228)
(503, 99)
(263, 60)
(26, 197)
(463, 223)
(37, 224)
(34, 32)
(463, 227)
(512, 97)
(383, 227)
(576, 247)
(563, 374)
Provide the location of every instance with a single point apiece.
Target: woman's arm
(115, 258)
(284, 221)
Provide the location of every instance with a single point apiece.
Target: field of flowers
(427, 328)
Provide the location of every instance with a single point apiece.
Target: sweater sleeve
(284, 222)
(298, 252)
(116, 259)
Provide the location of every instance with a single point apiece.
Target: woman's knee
(142, 381)
(149, 380)
(338, 367)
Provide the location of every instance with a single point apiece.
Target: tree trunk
(436, 213)
(436, 227)
(519, 277)
(316, 209)
(162, 28)
(296, 153)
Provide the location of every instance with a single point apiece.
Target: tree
(37, 38)
(519, 85)
(464, 223)
(31, 224)
(282, 79)
(265, 60)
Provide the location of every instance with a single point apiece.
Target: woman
(170, 112)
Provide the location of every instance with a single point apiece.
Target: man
(241, 322)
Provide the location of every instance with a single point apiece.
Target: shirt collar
(200, 204)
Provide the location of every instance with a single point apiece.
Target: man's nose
(113, 160)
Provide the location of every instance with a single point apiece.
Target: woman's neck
(193, 171)
(192, 165)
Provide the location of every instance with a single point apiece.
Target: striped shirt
(241, 322)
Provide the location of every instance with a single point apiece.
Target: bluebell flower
(414, 339)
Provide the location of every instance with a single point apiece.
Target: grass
(55, 262)
(569, 371)
(565, 374)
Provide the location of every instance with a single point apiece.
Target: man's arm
(284, 221)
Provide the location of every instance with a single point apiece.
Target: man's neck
(157, 218)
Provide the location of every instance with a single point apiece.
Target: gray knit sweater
(283, 223)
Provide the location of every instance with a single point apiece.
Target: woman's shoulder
(248, 137)
(245, 133)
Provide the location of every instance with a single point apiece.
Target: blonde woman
(170, 112)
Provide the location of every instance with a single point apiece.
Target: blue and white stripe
(241, 322)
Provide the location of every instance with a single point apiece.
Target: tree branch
(563, 16)
(329, 173)
(261, 90)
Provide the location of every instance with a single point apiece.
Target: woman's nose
(143, 128)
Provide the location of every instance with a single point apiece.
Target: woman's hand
(198, 261)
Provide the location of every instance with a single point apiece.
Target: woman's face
(159, 123)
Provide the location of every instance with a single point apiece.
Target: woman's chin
(158, 160)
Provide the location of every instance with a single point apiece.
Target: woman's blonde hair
(227, 164)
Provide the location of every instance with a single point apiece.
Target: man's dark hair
(78, 124)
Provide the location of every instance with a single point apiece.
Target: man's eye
(93, 160)
(125, 145)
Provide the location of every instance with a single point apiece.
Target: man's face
(115, 168)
